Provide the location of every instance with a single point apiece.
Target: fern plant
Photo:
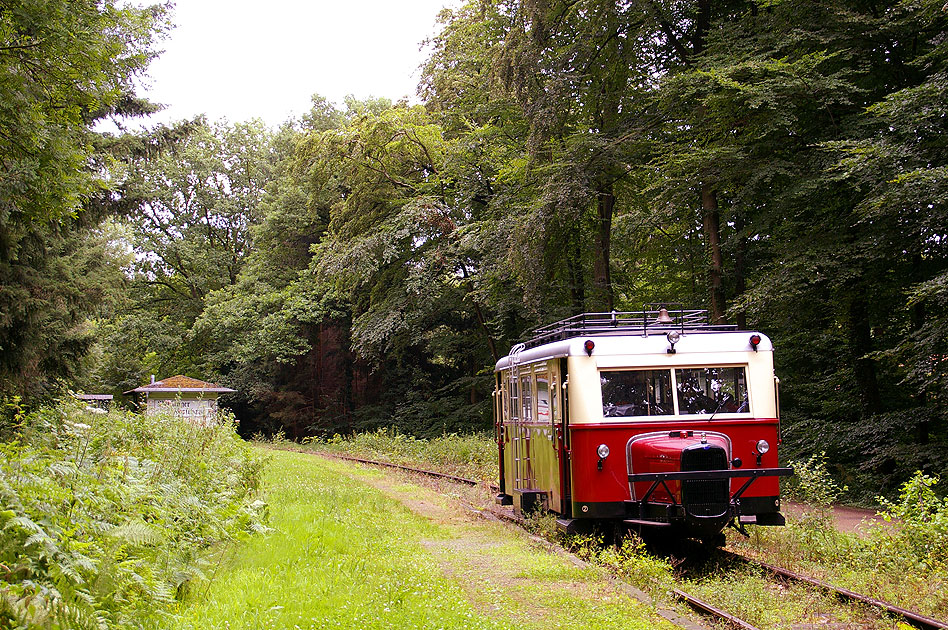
(106, 519)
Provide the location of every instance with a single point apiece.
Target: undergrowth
(108, 519)
(626, 556)
(472, 455)
(903, 560)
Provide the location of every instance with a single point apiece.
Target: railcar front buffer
(678, 511)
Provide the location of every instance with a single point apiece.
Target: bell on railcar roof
(664, 317)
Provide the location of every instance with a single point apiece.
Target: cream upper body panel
(618, 352)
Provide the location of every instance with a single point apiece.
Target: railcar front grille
(705, 497)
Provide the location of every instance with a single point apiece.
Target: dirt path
(506, 573)
(848, 519)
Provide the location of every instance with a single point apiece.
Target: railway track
(914, 619)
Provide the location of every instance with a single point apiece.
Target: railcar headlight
(602, 451)
(673, 338)
(763, 446)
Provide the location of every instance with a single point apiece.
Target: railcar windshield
(698, 391)
(636, 393)
(712, 390)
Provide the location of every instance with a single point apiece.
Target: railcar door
(554, 423)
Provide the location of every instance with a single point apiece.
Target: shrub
(108, 517)
(812, 485)
(922, 529)
(472, 455)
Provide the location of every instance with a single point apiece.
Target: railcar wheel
(718, 540)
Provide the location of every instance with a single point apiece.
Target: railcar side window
(712, 390)
(543, 398)
(526, 391)
(636, 393)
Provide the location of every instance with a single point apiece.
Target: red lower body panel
(603, 487)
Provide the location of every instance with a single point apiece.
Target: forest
(780, 163)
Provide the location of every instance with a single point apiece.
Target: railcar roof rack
(653, 318)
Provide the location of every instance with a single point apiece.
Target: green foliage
(108, 518)
(633, 562)
(64, 66)
(472, 455)
(194, 203)
(902, 559)
(12, 415)
(812, 483)
(921, 518)
(365, 263)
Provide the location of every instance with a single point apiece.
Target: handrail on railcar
(653, 318)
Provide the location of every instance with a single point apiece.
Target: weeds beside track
(916, 619)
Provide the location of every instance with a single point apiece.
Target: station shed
(183, 396)
(97, 401)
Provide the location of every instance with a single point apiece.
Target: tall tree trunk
(712, 237)
(602, 276)
(574, 265)
(740, 284)
(860, 340)
(711, 215)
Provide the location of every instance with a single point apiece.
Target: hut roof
(180, 383)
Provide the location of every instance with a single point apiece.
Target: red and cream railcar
(654, 419)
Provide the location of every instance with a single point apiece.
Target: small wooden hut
(183, 396)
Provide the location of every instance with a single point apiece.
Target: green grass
(472, 455)
(341, 556)
(345, 554)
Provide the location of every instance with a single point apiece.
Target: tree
(764, 113)
(63, 66)
(196, 200)
(577, 69)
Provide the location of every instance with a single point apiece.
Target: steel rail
(917, 619)
(429, 473)
(707, 609)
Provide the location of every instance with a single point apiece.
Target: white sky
(241, 59)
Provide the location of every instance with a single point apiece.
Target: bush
(812, 483)
(473, 455)
(922, 529)
(107, 518)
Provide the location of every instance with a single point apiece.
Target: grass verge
(346, 552)
(472, 455)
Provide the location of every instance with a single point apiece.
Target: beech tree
(63, 66)
(189, 211)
